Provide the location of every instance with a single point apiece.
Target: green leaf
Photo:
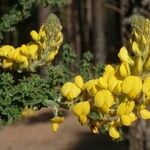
(50, 103)
(94, 115)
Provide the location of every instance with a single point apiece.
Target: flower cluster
(39, 52)
(122, 94)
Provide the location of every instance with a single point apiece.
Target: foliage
(20, 11)
(121, 95)
(21, 90)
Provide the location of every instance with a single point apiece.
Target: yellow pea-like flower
(145, 114)
(112, 82)
(24, 65)
(135, 48)
(70, 90)
(42, 33)
(113, 132)
(103, 99)
(51, 56)
(139, 66)
(126, 120)
(81, 109)
(118, 88)
(34, 35)
(146, 87)
(102, 83)
(132, 86)
(7, 63)
(124, 56)
(78, 80)
(27, 112)
(24, 49)
(124, 70)
(56, 121)
(109, 68)
(147, 64)
(54, 127)
(125, 108)
(32, 50)
(132, 116)
(91, 87)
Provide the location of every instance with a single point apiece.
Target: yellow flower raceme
(82, 109)
(132, 86)
(104, 100)
(70, 91)
(55, 122)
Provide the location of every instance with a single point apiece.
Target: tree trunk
(98, 30)
(137, 136)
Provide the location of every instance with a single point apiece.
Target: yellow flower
(56, 121)
(124, 56)
(124, 70)
(70, 91)
(81, 109)
(112, 81)
(4, 50)
(42, 33)
(113, 132)
(139, 66)
(104, 100)
(33, 48)
(102, 83)
(135, 48)
(145, 114)
(78, 80)
(118, 88)
(34, 35)
(147, 64)
(146, 87)
(132, 86)
(24, 49)
(91, 86)
(27, 112)
(51, 56)
(7, 63)
(54, 127)
(125, 113)
(125, 108)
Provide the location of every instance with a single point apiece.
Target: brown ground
(35, 134)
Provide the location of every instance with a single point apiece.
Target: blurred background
(98, 26)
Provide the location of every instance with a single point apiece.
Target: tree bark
(137, 136)
(98, 30)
